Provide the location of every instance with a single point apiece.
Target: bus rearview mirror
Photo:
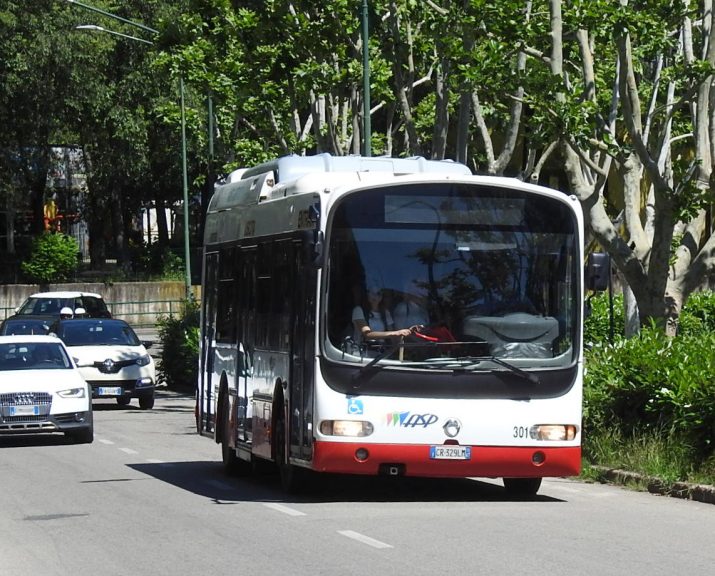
(598, 270)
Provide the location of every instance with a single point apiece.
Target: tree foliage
(608, 100)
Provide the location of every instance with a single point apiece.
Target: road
(149, 497)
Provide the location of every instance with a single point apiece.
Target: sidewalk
(698, 492)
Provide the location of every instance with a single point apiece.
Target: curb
(685, 490)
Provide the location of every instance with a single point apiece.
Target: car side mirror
(147, 343)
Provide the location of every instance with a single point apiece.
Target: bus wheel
(292, 477)
(522, 486)
(232, 464)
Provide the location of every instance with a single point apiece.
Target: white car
(111, 358)
(41, 389)
(50, 304)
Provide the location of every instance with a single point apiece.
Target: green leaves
(655, 383)
(53, 259)
(178, 367)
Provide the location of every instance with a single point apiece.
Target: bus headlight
(346, 428)
(553, 432)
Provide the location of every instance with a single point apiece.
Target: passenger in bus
(372, 320)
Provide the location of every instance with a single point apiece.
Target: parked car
(50, 304)
(41, 389)
(26, 324)
(112, 359)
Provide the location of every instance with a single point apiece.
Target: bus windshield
(475, 271)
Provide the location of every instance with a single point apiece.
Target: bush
(597, 325)
(157, 261)
(653, 383)
(53, 259)
(178, 367)
(698, 315)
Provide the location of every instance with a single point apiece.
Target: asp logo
(409, 420)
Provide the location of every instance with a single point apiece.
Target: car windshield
(23, 327)
(33, 356)
(83, 333)
(44, 305)
(481, 272)
(52, 305)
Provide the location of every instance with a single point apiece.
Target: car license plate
(450, 452)
(109, 391)
(24, 411)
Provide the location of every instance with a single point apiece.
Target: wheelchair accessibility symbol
(355, 406)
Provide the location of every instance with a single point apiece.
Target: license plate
(24, 411)
(450, 452)
(109, 391)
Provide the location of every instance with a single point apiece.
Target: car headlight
(73, 393)
(143, 360)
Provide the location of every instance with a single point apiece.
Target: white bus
(301, 253)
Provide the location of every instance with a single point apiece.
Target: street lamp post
(113, 32)
(185, 176)
(367, 127)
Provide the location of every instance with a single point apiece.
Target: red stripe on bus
(492, 461)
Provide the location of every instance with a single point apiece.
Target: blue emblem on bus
(355, 406)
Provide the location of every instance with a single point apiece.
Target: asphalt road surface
(149, 497)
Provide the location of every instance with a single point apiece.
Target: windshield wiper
(386, 353)
(477, 360)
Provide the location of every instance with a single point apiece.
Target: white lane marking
(155, 461)
(107, 442)
(284, 509)
(129, 451)
(364, 539)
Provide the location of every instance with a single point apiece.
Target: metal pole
(210, 107)
(113, 32)
(367, 128)
(187, 250)
(110, 15)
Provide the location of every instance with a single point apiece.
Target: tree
(128, 126)
(638, 117)
(35, 85)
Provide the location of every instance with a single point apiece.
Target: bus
(302, 253)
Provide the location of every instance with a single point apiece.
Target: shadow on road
(171, 402)
(29, 440)
(207, 479)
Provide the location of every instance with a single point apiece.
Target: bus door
(245, 302)
(302, 352)
(207, 345)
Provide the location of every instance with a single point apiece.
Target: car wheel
(124, 400)
(85, 436)
(146, 402)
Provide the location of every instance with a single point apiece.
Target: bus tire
(522, 487)
(292, 477)
(232, 464)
